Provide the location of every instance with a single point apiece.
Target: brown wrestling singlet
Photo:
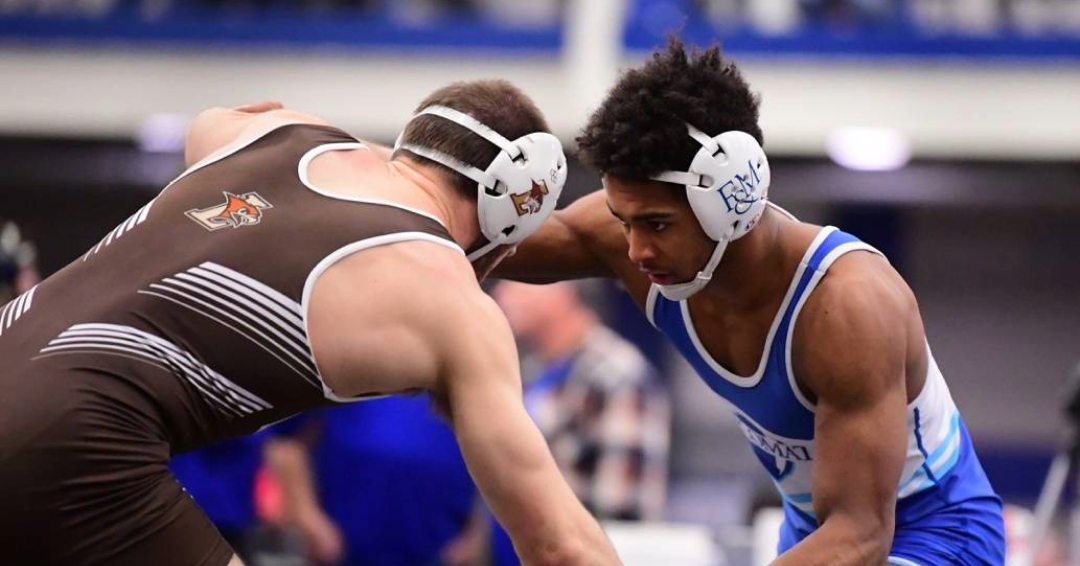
(182, 327)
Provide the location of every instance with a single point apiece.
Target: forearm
(291, 464)
(837, 544)
(555, 529)
(583, 240)
(523, 487)
(545, 258)
(503, 449)
(583, 544)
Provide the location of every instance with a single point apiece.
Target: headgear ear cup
(735, 199)
(727, 188)
(533, 185)
(517, 191)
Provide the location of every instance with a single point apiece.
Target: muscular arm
(582, 240)
(504, 450)
(432, 327)
(857, 374)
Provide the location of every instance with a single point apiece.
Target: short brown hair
(496, 103)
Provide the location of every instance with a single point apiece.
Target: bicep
(858, 377)
(860, 453)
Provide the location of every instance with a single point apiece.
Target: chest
(736, 341)
(745, 360)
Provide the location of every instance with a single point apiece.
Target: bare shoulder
(853, 331)
(414, 276)
(861, 283)
(383, 319)
(216, 130)
(243, 117)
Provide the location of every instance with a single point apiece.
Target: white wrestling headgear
(727, 187)
(519, 189)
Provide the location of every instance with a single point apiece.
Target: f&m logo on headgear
(532, 201)
(740, 192)
(237, 211)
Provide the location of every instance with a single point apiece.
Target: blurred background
(944, 132)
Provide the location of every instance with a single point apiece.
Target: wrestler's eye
(657, 226)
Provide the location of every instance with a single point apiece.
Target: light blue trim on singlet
(931, 473)
(798, 498)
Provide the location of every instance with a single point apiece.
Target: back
(192, 313)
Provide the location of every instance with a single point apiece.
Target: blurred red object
(269, 499)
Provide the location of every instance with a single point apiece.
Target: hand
(323, 539)
(465, 549)
(259, 107)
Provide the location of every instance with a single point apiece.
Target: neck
(566, 336)
(456, 212)
(747, 277)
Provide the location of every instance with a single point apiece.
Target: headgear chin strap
(517, 191)
(727, 187)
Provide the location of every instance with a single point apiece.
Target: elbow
(874, 542)
(860, 540)
(562, 553)
(877, 549)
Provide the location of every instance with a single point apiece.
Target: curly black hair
(639, 129)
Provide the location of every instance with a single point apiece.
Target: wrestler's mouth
(659, 277)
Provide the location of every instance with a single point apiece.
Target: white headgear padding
(517, 191)
(727, 187)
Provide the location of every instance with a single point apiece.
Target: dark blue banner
(805, 28)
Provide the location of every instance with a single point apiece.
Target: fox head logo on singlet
(237, 211)
(530, 202)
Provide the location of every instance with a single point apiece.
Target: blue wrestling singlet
(946, 512)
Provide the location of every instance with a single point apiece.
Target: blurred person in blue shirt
(380, 483)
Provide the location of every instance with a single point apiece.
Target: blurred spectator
(523, 13)
(849, 14)
(1019, 528)
(221, 479)
(601, 406)
(780, 17)
(18, 267)
(379, 483)
(966, 17)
